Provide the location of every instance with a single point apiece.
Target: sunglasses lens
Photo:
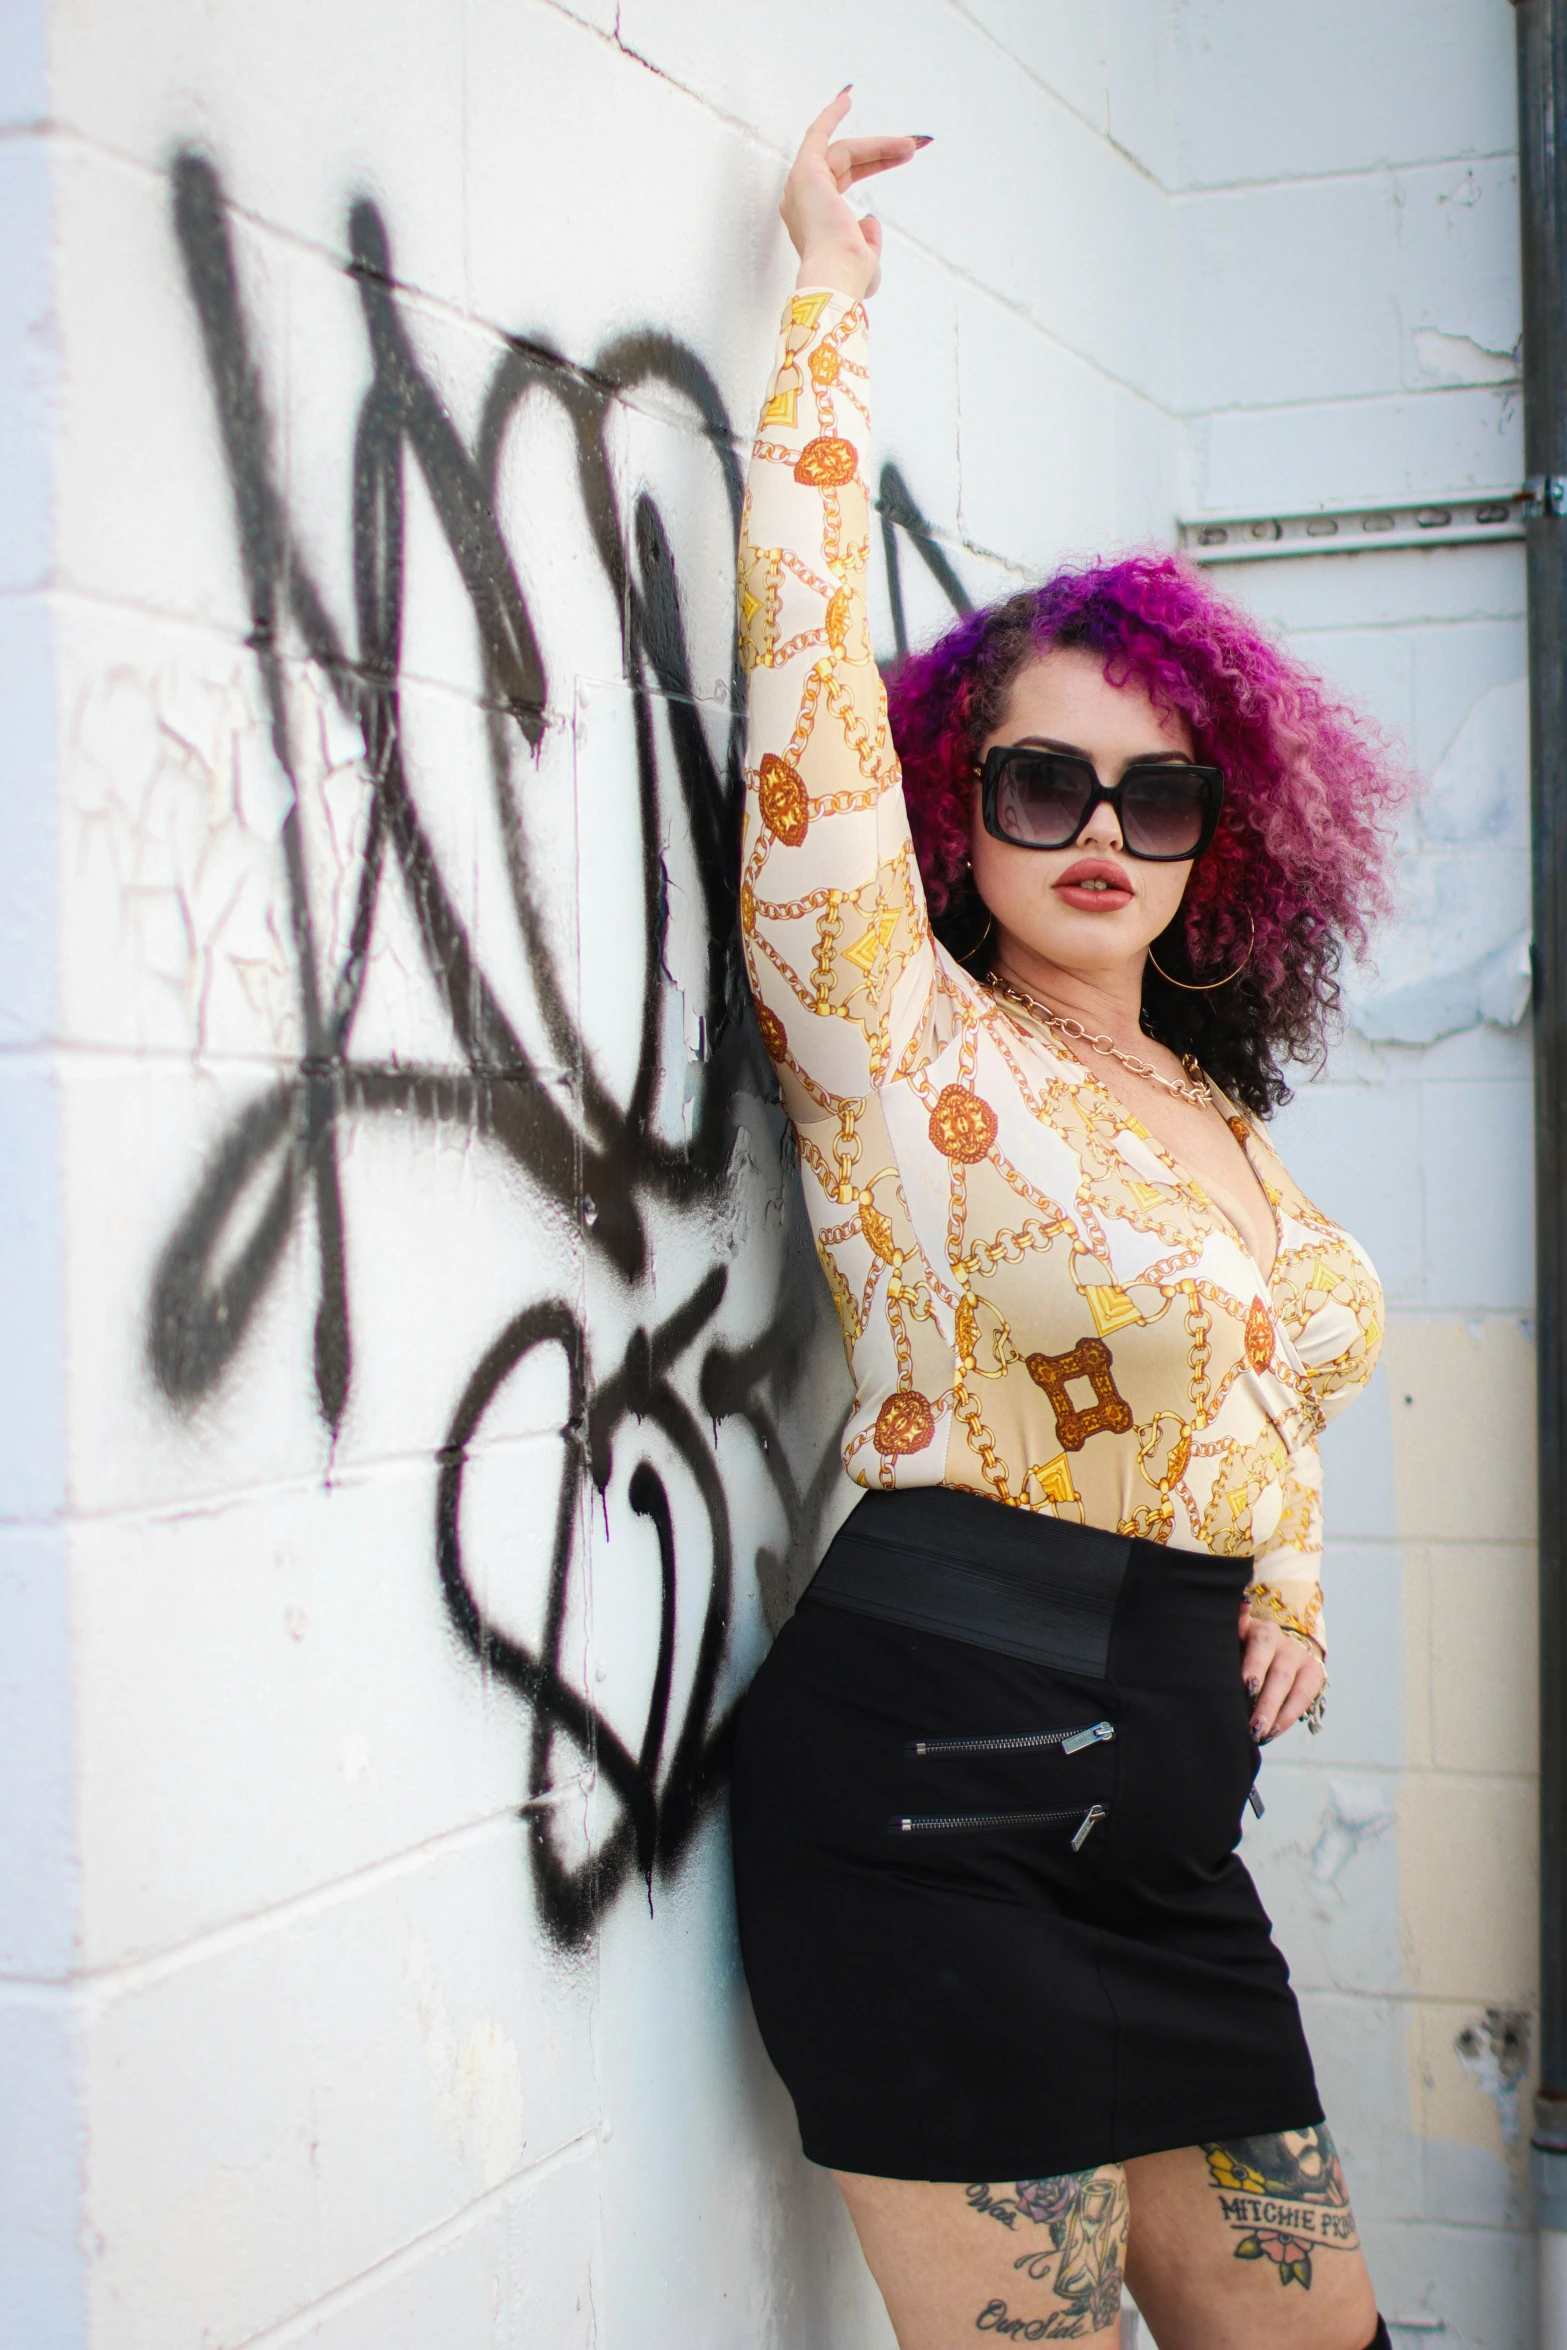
(1040, 799)
(1163, 810)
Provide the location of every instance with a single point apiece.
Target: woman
(988, 1784)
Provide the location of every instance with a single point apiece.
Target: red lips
(1112, 889)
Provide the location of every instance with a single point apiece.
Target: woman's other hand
(1282, 1675)
(835, 246)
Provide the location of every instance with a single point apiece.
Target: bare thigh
(1033, 2260)
(1223, 2246)
(1252, 2240)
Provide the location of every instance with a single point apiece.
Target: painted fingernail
(923, 138)
(847, 87)
(1256, 1728)
(1254, 1688)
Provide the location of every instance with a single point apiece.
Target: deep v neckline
(1201, 1193)
(1191, 1186)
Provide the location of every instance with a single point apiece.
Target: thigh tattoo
(1082, 2219)
(1285, 2199)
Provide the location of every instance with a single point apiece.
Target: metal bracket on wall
(1546, 493)
(1463, 518)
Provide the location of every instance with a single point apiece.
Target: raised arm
(837, 944)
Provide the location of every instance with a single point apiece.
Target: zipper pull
(1255, 1800)
(1091, 1818)
(1081, 1738)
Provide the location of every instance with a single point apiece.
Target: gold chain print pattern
(1037, 1304)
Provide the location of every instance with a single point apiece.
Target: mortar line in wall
(1178, 193)
(348, 1475)
(42, 1992)
(1416, 1998)
(280, 1061)
(1378, 627)
(97, 1987)
(70, 595)
(443, 305)
(103, 602)
(355, 1470)
(1099, 130)
(1311, 1767)
(108, 603)
(1431, 1542)
(1422, 1313)
(1020, 310)
(48, 1055)
(300, 2325)
(439, 304)
(1195, 193)
(1331, 402)
(1016, 63)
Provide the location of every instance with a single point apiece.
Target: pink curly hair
(1304, 841)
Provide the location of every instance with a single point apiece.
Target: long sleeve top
(1038, 1303)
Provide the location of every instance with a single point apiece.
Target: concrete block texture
(1468, 1890)
(386, 2057)
(1262, 321)
(1424, 291)
(518, 2266)
(1461, 1405)
(317, 124)
(42, 2286)
(421, 1403)
(40, 1863)
(1267, 92)
(32, 1277)
(29, 348)
(29, 838)
(1360, 2050)
(1468, 2285)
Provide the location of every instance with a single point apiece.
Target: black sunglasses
(1167, 809)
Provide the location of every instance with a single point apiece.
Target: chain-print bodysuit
(1037, 1302)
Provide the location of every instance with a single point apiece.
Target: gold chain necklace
(1194, 1091)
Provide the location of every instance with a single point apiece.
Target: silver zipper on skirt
(1016, 1741)
(933, 1823)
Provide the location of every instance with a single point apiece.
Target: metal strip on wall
(1456, 518)
(1542, 127)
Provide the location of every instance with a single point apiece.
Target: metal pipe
(1542, 183)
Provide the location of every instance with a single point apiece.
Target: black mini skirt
(988, 1787)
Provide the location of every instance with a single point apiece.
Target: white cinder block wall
(1349, 331)
(419, 1400)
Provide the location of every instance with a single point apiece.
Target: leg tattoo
(1083, 2216)
(1285, 2197)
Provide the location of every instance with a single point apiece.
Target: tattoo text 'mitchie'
(1285, 2198)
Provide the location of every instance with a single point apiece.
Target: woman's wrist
(845, 273)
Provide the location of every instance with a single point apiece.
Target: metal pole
(1542, 140)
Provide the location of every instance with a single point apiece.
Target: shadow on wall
(599, 1158)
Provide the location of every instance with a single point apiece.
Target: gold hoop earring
(970, 953)
(1206, 986)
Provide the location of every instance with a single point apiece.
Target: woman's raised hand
(835, 246)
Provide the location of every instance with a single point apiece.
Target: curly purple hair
(1304, 840)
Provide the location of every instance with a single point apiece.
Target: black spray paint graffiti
(283, 1149)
